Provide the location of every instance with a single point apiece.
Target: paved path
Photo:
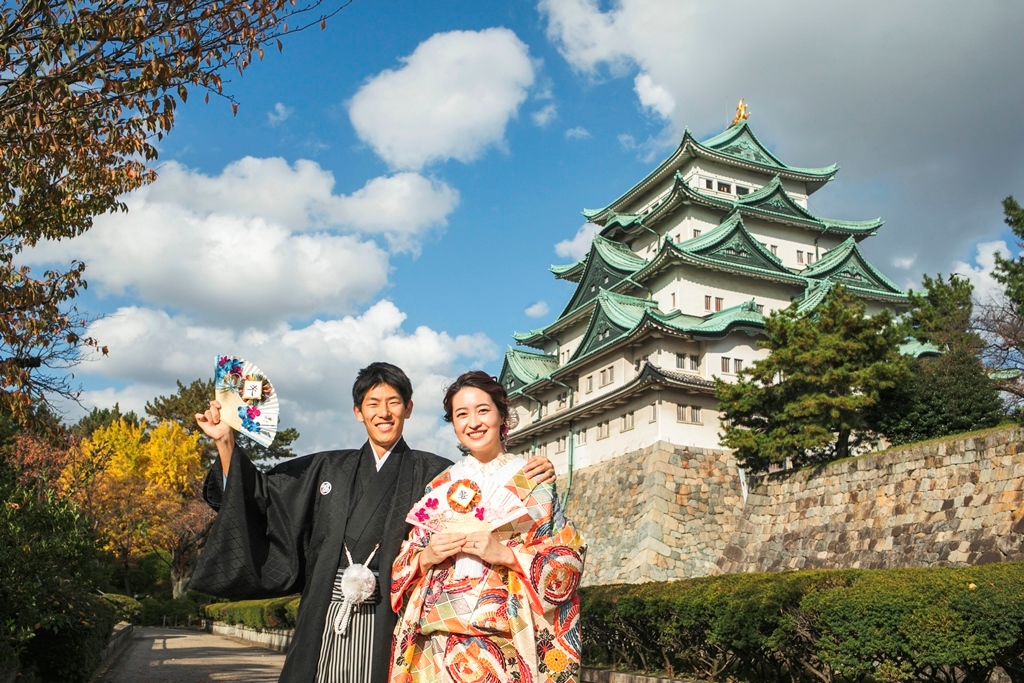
(166, 655)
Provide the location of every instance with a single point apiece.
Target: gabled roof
(730, 248)
(770, 203)
(918, 349)
(521, 368)
(614, 316)
(846, 265)
(737, 146)
(607, 264)
(615, 254)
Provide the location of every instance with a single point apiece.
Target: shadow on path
(164, 655)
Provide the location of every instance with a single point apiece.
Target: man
(293, 529)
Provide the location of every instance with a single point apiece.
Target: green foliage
(941, 313)
(155, 610)
(125, 608)
(1010, 272)
(182, 406)
(929, 624)
(70, 652)
(946, 395)
(257, 614)
(813, 394)
(103, 417)
(46, 560)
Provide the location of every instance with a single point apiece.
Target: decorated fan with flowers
(248, 402)
(460, 506)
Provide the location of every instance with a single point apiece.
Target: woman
(487, 605)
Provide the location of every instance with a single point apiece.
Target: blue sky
(397, 185)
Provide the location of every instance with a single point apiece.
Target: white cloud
(578, 133)
(579, 245)
(312, 367)
(537, 310)
(654, 97)
(545, 115)
(979, 273)
(279, 114)
(451, 99)
(904, 262)
(262, 242)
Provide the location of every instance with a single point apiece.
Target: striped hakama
(347, 658)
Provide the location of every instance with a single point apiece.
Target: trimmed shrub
(125, 608)
(154, 610)
(928, 624)
(256, 614)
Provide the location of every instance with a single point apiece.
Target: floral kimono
(466, 621)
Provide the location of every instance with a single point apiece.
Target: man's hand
(223, 436)
(539, 469)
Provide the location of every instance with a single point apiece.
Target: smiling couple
(298, 527)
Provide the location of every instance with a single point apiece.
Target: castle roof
(737, 146)
(846, 265)
(770, 203)
(522, 368)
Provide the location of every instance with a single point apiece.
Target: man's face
(383, 414)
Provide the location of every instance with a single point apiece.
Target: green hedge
(71, 652)
(928, 624)
(257, 614)
(125, 608)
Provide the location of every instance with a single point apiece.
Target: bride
(490, 571)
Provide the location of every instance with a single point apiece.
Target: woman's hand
(440, 548)
(539, 469)
(484, 545)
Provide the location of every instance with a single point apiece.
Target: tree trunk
(843, 444)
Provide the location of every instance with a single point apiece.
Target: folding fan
(459, 507)
(248, 402)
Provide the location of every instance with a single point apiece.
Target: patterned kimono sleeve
(552, 552)
(405, 572)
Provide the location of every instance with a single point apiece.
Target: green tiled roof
(728, 247)
(736, 146)
(522, 368)
(769, 203)
(569, 271)
(606, 266)
(846, 265)
(739, 142)
(918, 349)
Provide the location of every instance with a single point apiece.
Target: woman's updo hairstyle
(477, 379)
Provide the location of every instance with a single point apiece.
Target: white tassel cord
(357, 585)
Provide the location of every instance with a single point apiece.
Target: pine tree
(810, 399)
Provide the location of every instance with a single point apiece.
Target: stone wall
(953, 502)
(660, 513)
(669, 512)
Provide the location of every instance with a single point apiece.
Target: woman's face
(477, 423)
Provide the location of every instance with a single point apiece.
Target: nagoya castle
(673, 293)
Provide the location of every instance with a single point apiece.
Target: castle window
(740, 190)
(760, 308)
(737, 365)
(810, 258)
(694, 413)
(673, 299)
(707, 302)
(606, 376)
(561, 400)
(726, 366)
(694, 362)
(718, 303)
(688, 414)
(602, 430)
(654, 411)
(680, 360)
(799, 256)
(724, 187)
(709, 184)
(775, 250)
(627, 422)
(560, 445)
(590, 383)
(696, 233)
(581, 437)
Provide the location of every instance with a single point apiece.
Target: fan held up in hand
(248, 402)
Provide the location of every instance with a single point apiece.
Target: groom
(294, 528)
